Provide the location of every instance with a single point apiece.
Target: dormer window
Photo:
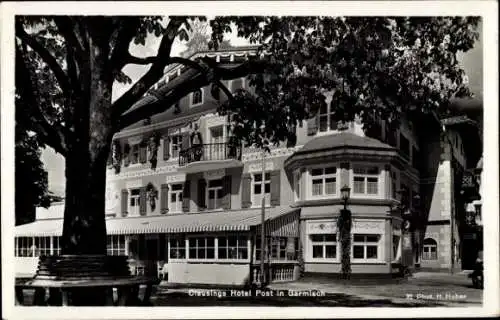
(197, 97)
(327, 119)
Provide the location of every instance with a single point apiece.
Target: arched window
(197, 97)
(430, 249)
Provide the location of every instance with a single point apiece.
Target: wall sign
(257, 167)
(214, 174)
(175, 178)
(368, 226)
(320, 227)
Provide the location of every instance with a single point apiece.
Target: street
(423, 289)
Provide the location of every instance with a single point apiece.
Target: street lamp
(345, 191)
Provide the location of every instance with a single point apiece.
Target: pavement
(422, 289)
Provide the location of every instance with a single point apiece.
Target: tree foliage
(370, 66)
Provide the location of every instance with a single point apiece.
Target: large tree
(387, 66)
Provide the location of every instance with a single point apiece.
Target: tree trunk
(84, 229)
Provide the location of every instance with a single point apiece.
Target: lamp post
(345, 192)
(344, 224)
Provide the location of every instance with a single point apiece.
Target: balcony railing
(210, 152)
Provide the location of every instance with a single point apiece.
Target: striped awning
(219, 221)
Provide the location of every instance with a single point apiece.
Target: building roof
(343, 139)
(231, 220)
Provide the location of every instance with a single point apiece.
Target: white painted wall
(208, 273)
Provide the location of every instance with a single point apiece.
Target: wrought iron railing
(209, 152)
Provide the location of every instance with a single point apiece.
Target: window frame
(118, 248)
(430, 256)
(366, 176)
(191, 98)
(205, 237)
(244, 238)
(178, 196)
(324, 176)
(328, 115)
(181, 239)
(135, 151)
(323, 243)
(216, 189)
(253, 183)
(134, 210)
(365, 244)
(178, 145)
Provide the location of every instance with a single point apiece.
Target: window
(42, 245)
(24, 246)
(365, 180)
(297, 186)
(197, 97)
(261, 189)
(405, 195)
(232, 248)
(404, 146)
(202, 248)
(135, 199)
(177, 247)
(116, 245)
(175, 145)
(175, 198)
(394, 184)
(324, 246)
(365, 247)
(327, 120)
(134, 153)
(56, 245)
(278, 248)
(430, 249)
(214, 194)
(324, 181)
(396, 239)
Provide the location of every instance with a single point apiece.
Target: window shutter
(142, 202)
(312, 125)
(126, 160)
(166, 148)
(143, 155)
(275, 187)
(186, 195)
(226, 198)
(246, 185)
(202, 184)
(164, 198)
(124, 202)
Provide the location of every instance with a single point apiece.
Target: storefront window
(232, 248)
(366, 247)
(324, 246)
(25, 247)
(279, 248)
(177, 247)
(202, 248)
(116, 245)
(42, 245)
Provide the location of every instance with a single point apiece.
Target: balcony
(211, 156)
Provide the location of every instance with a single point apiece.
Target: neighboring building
(185, 199)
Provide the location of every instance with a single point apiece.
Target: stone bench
(85, 280)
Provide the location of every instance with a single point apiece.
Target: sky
(472, 62)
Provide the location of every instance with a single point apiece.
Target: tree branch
(123, 103)
(45, 55)
(67, 29)
(125, 33)
(50, 133)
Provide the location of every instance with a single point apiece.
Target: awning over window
(233, 220)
